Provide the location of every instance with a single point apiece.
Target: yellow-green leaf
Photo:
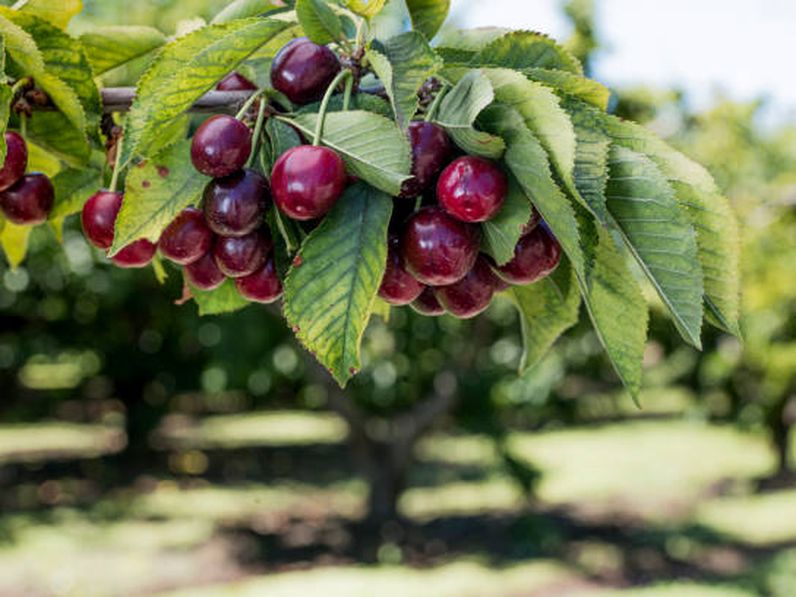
(14, 240)
(57, 12)
(113, 46)
(428, 15)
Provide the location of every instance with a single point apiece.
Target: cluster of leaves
(630, 212)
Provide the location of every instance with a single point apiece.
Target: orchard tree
(348, 167)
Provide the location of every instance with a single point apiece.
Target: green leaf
(428, 15)
(373, 148)
(503, 232)
(110, 47)
(14, 241)
(459, 109)
(366, 8)
(282, 137)
(319, 22)
(185, 70)
(659, 235)
(57, 12)
(564, 82)
(329, 296)
(547, 308)
(53, 132)
(224, 299)
(156, 191)
(242, 9)
(462, 45)
(527, 49)
(528, 162)
(710, 213)
(404, 63)
(21, 47)
(618, 311)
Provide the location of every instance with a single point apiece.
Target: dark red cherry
(303, 70)
(221, 146)
(398, 287)
(235, 205)
(204, 273)
(187, 238)
(29, 200)
(472, 189)
(16, 160)
(536, 255)
(239, 256)
(99, 217)
(307, 181)
(263, 286)
(235, 81)
(427, 304)
(438, 249)
(135, 255)
(472, 294)
(431, 151)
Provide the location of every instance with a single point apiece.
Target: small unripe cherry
(187, 238)
(204, 273)
(221, 146)
(427, 304)
(29, 201)
(263, 286)
(307, 181)
(472, 189)
(398, 286)
(135, 255)
(16, 161)
(99, 217)
(536, 255)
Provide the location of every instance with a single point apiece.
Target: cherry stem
(349, 87)
(249, 103)
(283, 231)
(316, 140)
(258, 129)
(432, 109)
(23, 126)
(116, 165)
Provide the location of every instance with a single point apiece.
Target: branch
(119, 99)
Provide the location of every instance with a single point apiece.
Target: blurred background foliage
(211, 450)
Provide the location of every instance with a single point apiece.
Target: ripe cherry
(472, 189)
(235, 205)
(431, 151)
(303, 70)
(263, 286)
(187, 238)
(536, 255)
(307, 181)
(204, 273)
(221, 146)
(16, 160)
(438, 249)
(472, 294)
(135, 255)
(99, 217)
(398, 287)
(235, 81)
(29, 201)
(239, 256)
(427, 304)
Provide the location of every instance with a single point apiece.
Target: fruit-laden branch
(119, 99)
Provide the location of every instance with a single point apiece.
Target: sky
(744, 49)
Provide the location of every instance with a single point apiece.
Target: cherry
(235, 205)
(204, 273)
(239, 256)
(536, 255)
(427, 304)
(16, 160)
(398, 287)
(472, 294)
(431, 150)
(187, 238)
(29, 201)
(307, 181)
(439, 250)
(263, 286)
(472, 189)
(303, 70)
(99, 217)
(221, 146)
(235, 81)
(136, 254)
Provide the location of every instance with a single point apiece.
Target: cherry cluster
(25, 199)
